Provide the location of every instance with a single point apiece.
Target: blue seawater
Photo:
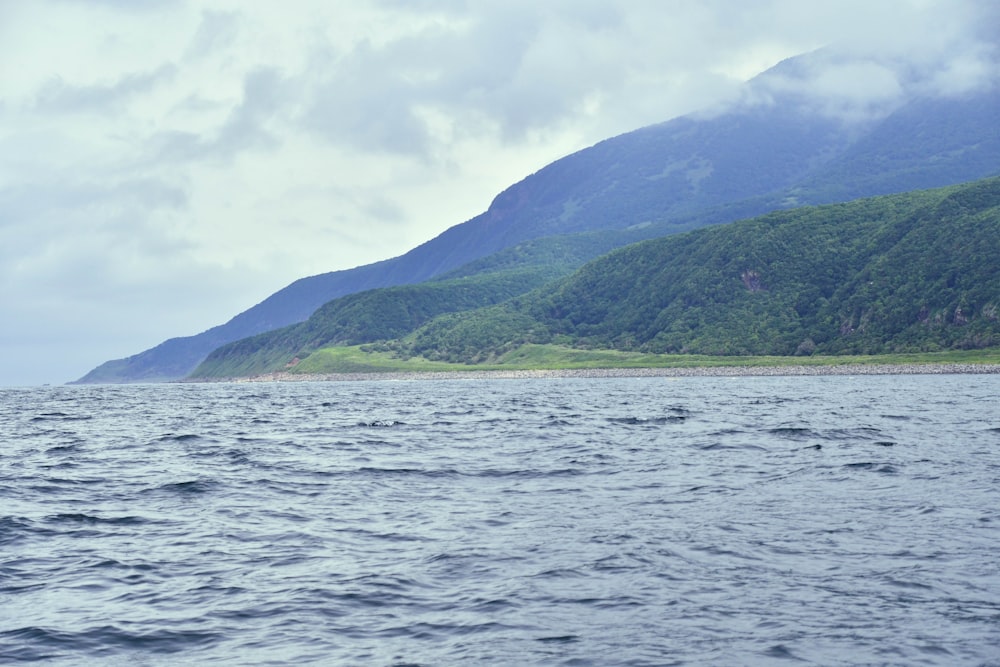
(625, 521)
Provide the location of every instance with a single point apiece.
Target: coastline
(700, 371)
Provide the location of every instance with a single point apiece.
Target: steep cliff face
(684, 173)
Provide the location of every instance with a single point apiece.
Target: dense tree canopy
(900, 273)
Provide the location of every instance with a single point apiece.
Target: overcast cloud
(165, 165)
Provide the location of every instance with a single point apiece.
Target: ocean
(562, 521)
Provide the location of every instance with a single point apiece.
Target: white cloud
(57, 95)
(164, 165)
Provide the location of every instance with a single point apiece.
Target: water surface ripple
(634, 521)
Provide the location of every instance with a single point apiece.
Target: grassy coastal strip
(529, 358)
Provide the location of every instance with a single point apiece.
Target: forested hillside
(913, 272)
(702, 169)
(392, 312)
(900, 273)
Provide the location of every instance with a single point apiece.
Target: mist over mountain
(819, 128)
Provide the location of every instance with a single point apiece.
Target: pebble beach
(703, 371)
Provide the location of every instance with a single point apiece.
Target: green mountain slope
(373, 315)
(912, 272)
(705, 168)
(392, 312)
(899, 273)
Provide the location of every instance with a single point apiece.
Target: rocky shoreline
(704, 371)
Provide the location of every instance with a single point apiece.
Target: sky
(167, 164)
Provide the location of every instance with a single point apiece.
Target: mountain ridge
(895, 274)
(689, 170)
